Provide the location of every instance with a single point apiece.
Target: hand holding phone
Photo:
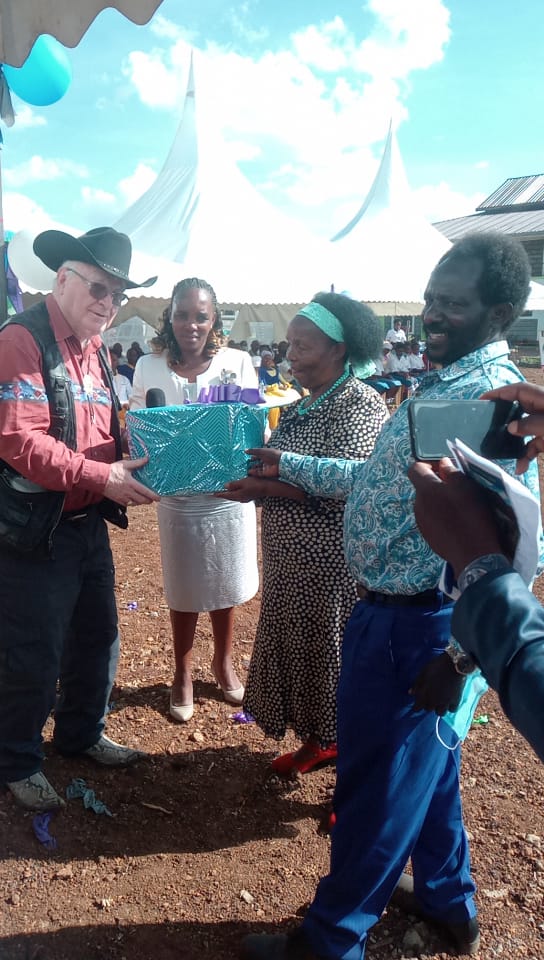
(481, 424)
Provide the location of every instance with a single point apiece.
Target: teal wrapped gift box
(194, 448)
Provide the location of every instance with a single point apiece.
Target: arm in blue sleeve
(500, 623)
(320, 476)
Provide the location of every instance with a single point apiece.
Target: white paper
(523, 504)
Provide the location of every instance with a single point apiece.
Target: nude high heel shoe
(182, 712)
(235, 695)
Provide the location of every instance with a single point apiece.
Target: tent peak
(390, 184)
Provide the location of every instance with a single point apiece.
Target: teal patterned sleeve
(321, 476)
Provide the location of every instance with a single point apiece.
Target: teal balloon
(45, 75)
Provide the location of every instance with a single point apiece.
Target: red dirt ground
(205, 845)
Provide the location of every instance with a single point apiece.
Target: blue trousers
(58, 623)
(397, 791)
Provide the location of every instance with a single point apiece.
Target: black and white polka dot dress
(308, 593)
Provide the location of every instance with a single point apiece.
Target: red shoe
(289, 763)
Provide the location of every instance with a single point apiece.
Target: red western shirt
(24, 414)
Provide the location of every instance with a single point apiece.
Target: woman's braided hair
(215, 336)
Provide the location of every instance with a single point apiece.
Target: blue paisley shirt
(383, 546)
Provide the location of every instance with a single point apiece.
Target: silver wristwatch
(462, 661)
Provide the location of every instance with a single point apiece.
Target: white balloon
(27, 267)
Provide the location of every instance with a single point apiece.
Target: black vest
(29, 514)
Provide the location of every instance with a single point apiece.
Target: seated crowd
(398, 367)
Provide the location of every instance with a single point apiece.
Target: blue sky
(302, 94)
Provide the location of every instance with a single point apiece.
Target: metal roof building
(518, 192)
(527, 223)
(515, 208)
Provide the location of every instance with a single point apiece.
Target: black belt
(426, 598)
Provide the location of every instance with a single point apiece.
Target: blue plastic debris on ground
(78, 789)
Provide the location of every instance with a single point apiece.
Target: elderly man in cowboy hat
(61, 474)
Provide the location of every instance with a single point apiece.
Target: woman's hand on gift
(256, 488)
(244, 490)
(265, 462)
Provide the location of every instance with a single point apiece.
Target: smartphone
(481, 424)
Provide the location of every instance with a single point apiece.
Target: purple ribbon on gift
(229, 393)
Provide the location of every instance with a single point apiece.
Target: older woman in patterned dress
(308, 593)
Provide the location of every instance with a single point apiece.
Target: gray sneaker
(111, 754)
(35, 793)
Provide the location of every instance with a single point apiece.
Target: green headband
(324, 319)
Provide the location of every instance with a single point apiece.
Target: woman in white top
(208, 546)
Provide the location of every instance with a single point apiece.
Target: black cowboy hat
(104, 247)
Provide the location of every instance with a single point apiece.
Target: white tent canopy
(388, 250)
(536, 297)
(131, 330)
(21, 21)
(203, 214)
(201, 217)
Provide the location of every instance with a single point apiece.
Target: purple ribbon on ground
(40, 825)
(242, 717)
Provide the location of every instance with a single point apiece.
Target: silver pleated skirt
(209, 552)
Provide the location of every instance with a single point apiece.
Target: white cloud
(325, 47)
(25, 118)
(20, 211)
(242, 150)
(280, 93)
(42, 168)
(314, 185)
(315, 112)
(324, 198)
(407, 36)
(157, 82)
(482, 165)
(95, 197)
(238, 19)
(164, 28)
(442, 202)
(137, 183)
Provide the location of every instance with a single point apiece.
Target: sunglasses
(99, 291)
